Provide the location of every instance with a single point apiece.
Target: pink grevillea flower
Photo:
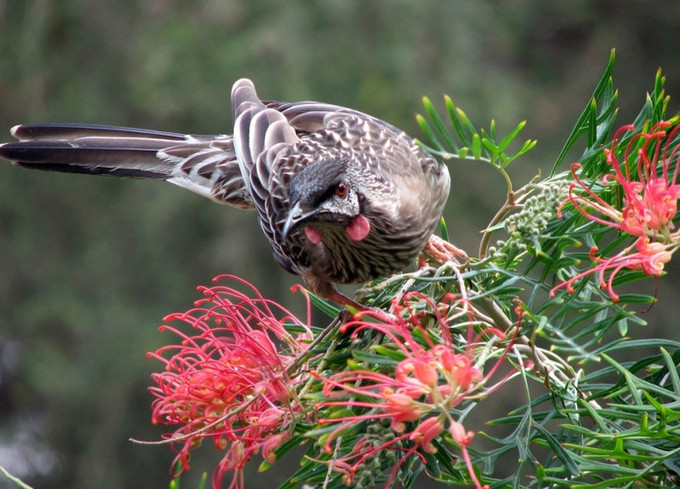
(648, 181)
(418, 395)
(463, 439)
(227, 378)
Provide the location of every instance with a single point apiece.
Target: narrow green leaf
(465, 121)
(476, 146)
(591, 133)
(439, 124)
(672, 371)
(633, 389)
(309, 472)
(511, 137)
(455, 120)
(381, 356)
(490, 145)
(326, 307)
(581, 123)
(557, 448)
(202, 484)
(318, 432)
(443, 229)
(427, 129)
(528, 145)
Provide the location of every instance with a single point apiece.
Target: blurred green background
(89, 266)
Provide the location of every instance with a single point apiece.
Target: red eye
(341, 190)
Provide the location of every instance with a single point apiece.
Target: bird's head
(325, 194)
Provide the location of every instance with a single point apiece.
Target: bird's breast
(339, 259)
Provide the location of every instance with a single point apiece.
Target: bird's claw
(441, 251)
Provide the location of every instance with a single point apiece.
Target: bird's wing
(307, 116)
(260, 133)
(331, 132)
(334, 126)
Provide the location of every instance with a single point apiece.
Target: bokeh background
(89, 266)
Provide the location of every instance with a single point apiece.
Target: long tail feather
(90, 149)
(205, 165)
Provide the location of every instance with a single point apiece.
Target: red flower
(429, 381)
(648, 180)
(463, 439)
(426, 431)
(229, 381)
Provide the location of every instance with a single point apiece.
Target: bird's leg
(340, 298)
(441, 251)
(328, 291)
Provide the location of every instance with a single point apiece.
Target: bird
(343, 197)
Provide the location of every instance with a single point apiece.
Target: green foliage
(176, 481)
(587, 420)
(466, 141)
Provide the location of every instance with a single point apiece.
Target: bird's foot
(355, 310)
(441, 251)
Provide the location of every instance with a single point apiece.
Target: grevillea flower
(418, 396)
(647, 178)
(227, 379)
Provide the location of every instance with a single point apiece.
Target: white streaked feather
(198, 185)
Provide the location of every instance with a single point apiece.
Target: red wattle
(313, 235)
(358, 228)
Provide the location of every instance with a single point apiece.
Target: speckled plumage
(278, 149)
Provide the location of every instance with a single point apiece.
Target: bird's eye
(341, 190)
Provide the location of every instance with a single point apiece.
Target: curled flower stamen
(417, 395)
(227, 379)
(650, 193)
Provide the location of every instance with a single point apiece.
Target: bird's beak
(295, 216)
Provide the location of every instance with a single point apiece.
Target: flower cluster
(525, 226)
(228, 379)
(417, 396)
(648, 181)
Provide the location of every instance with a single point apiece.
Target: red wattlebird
(342, 197)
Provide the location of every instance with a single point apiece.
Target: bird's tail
(205, 165)
(91, 149)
